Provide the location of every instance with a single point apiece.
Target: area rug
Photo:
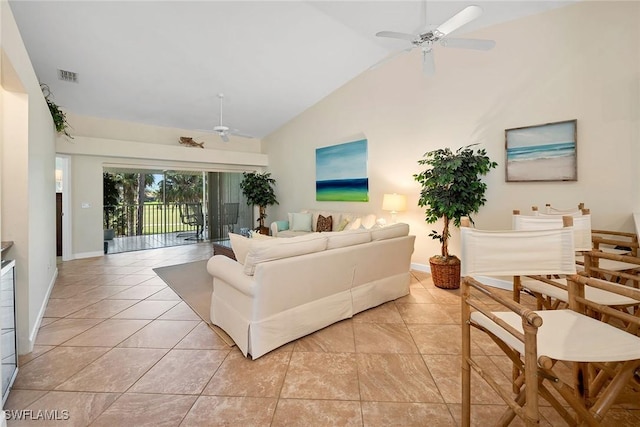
(192, 283)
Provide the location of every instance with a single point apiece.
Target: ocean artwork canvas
(542, 153)
(341, 172)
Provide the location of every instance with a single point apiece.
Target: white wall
(98, 143)
(545, 68)
(28, 181)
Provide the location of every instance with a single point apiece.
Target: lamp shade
(394, 202)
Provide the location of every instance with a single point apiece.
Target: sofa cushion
(394, 230)
(325, 223)
(240, 246)
(272, 249)
(340, 239)
(301, 221)
(291, 233)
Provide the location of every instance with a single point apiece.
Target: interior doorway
(59, 224)
(63, 207)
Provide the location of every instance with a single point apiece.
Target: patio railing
(146, 219)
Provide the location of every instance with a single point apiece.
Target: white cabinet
(8, 349)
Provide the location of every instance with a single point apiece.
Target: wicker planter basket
(445, 273)
(263, 230)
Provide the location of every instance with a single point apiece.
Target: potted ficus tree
(258, 189)
(451, 189)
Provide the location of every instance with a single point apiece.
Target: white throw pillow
(355, 224)
(344, 222)
(301, 221)
(240, 246)
(369, 221)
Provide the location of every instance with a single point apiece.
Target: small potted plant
(258, 189)
(59, 117)
(451, 189)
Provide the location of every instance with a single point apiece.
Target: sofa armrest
(278, 226)
(230, 272)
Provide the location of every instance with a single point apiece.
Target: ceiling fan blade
(476, 44)
(461, 18)
(423, 18)
(236, 132)
(396, 35)
(428, 63)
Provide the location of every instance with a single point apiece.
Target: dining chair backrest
(518, 252)
(550, 210)
(581, 226)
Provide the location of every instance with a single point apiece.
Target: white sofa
(296, 225)
(288, 288)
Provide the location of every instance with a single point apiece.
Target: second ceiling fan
(225, 131)
(425, 40)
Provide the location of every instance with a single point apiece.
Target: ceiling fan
(225, 131)
(425, 40)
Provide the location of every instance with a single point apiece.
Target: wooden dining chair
(597, 262)
(613, 241)
(616, 242)
(551, 292)
(586, 238)
(538, 343)
(549, 210)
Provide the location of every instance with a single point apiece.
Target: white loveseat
(288, 288)
(306, 221)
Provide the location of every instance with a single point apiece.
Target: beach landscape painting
(341, 172)
(542, 153)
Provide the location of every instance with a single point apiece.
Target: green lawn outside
(159, 218)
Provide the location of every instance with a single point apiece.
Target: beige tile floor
(118, 347)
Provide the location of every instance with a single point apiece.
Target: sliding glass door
(146, 209)
(228, 210)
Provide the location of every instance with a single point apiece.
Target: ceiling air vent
(68, 76)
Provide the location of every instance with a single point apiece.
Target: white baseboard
(33, 333)
(420, 267)
(88, 254)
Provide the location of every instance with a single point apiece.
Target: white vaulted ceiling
(164, 62)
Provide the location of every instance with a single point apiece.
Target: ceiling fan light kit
(440, 34)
